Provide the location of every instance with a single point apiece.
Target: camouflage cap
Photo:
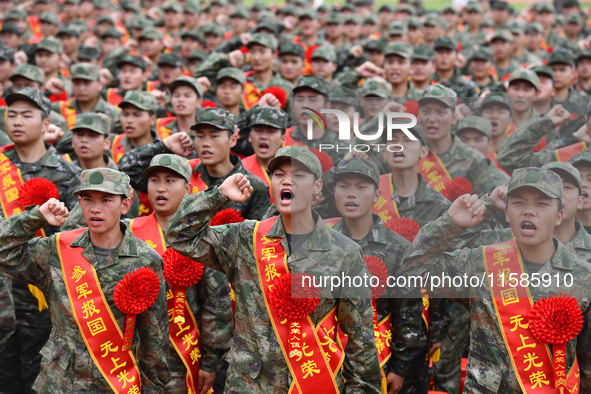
(422, 52)
(584, 54)
(50, 44)
(358, 166)
(417, 130)
(353, 19)
(370, 20)
(70, 30)
(172, 6)
(102, 4)
(105, 180)
(313, 82)
(449, 9)
(139, 99)
(259, 6)
(194, 34)
(289, 9)
(481, 53)
(172, 162)
(376, 87)
(94, 121)
(561, 56)
(134, 60)
(268, 116)
(543, 6)
(31, 95)
(51, 18)
(215, 117)
(515, 26)
(407, 8)
(397, 28)
(76, 2)
(339, 94)
(171, 59)
(325, 52)
(15, 14)
(445, 43)
(376, 45)
(500, 5)
(399, 48)
(150, 33)
(570, 3)
(300, 154)
(533, 27)
(131, 6)
(502, 35)
(186, 81)
(477, 123)
(496, 98)
(441, 94)
(221, 3)
(7, 53)
(308, 13)
(566, 170)
(87, 71)
(543, 70)
(197, 54)
(583, 158)
(335, 18)
(413, 21)
(263, 39)
(87, 52)
(111, 32)
(29, 71)
(139, 21)
(546, 181)
(473, 6)
(291, 48)
(386, 8)
(487, 22)
(525, 75)
(105, 19)
(9, 27)
(233, 73)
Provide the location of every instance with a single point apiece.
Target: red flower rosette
(279, 94)
(556, 320)
(326, 162)
(180, 272)
(457, 187)
(378, 269)
(134, 294)
(209, 104)
(36, 191)
(406, 227)
(226, 216)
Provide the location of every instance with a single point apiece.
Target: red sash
(532, 360)
(117, 148)
(151, 85)
(98, 327)
(564, 154)
(252, 164)
(300, 341)
(161, 129)
(183, 336)
(198, 184)
(290, 141)
(252, 95)
(12, 181)
(68, 113)
(433, 170)
(386, 207)
(113, 96)
(492, 155)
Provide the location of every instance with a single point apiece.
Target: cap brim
(91, 129)
(341, 174)
(150, 169)
(196, 125)
(99, 189)
(548, 193)
(280, 159)
(176, 84)
(425, 100)
(14, 97)
(124, 103)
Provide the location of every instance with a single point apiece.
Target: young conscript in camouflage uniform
(90, 140)
(295, 241)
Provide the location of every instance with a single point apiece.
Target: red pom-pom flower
(406, 227)
(180, 272)
(134, 294)
(378, 269)
(556, 319)
(226, 216)
(457, 187)
(278, 93)
(280, 297)
(36, 191)
(209, 104)
(326, 162)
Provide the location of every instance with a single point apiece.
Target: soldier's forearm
(136, 160)
(516, 152)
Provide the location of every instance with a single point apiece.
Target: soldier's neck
(221, 169)
(519, 51)
(585, 82)
(400, 89)
(484, 81)
(421, 85)
(163, 219)
(360, 227)
(302, 223)
(520, 117)
(89, 105)
(562, 93)
(445, 75)
(142, 140)
(538, 253)
(497, 141)
(264, 77)
(584, 216)
(542, 106)
(108, 240)
(264, 162)
(32, 152)
(566, 231)
(406, 181)
(184, 123)
(95, 162)
(441, 145)
(503, 63)
(234, 109)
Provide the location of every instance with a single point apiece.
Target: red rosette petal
(137, 291)
(36, 191)
(326, 162)
(377, 268)
(280, 298)
(226, 216)
(179, 271)
(457, 187)
(406, 227)
(209, 104)
(279, 94)
(412, 107)
(556, 319)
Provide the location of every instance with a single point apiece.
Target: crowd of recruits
(143, 122)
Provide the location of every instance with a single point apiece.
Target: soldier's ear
(423, 152)
(125, 205)
(188, 188)
(107, 143)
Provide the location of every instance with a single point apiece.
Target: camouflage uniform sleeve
(349, 78)
(259, 201)
(154, 342)
(480, 176)
(216, 321)
(188, 231)
(75, 219)
(361, 368)
(136, 160)
(439, 320)
(584, 352)
(21, 254)
(516, 151)
(407, 334)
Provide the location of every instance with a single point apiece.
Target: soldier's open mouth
(96, 221)
(494, 124)
(528, 227)
(286, 195)
(161, 200)
(398, 154)
(584, 194)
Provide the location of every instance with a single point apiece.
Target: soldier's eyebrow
(26, 111)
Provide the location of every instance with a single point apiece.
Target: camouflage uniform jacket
(66, 365)
(127, 146)
(464, 88)
(135, 161)
(469, 40)
(502, 72)
(580, 88)
(255, 353)
(489, 365)
(575, 103)
(101, 106)
(497, 176)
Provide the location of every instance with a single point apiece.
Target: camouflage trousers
(418, 379)
(264, 382)
(447, 371)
